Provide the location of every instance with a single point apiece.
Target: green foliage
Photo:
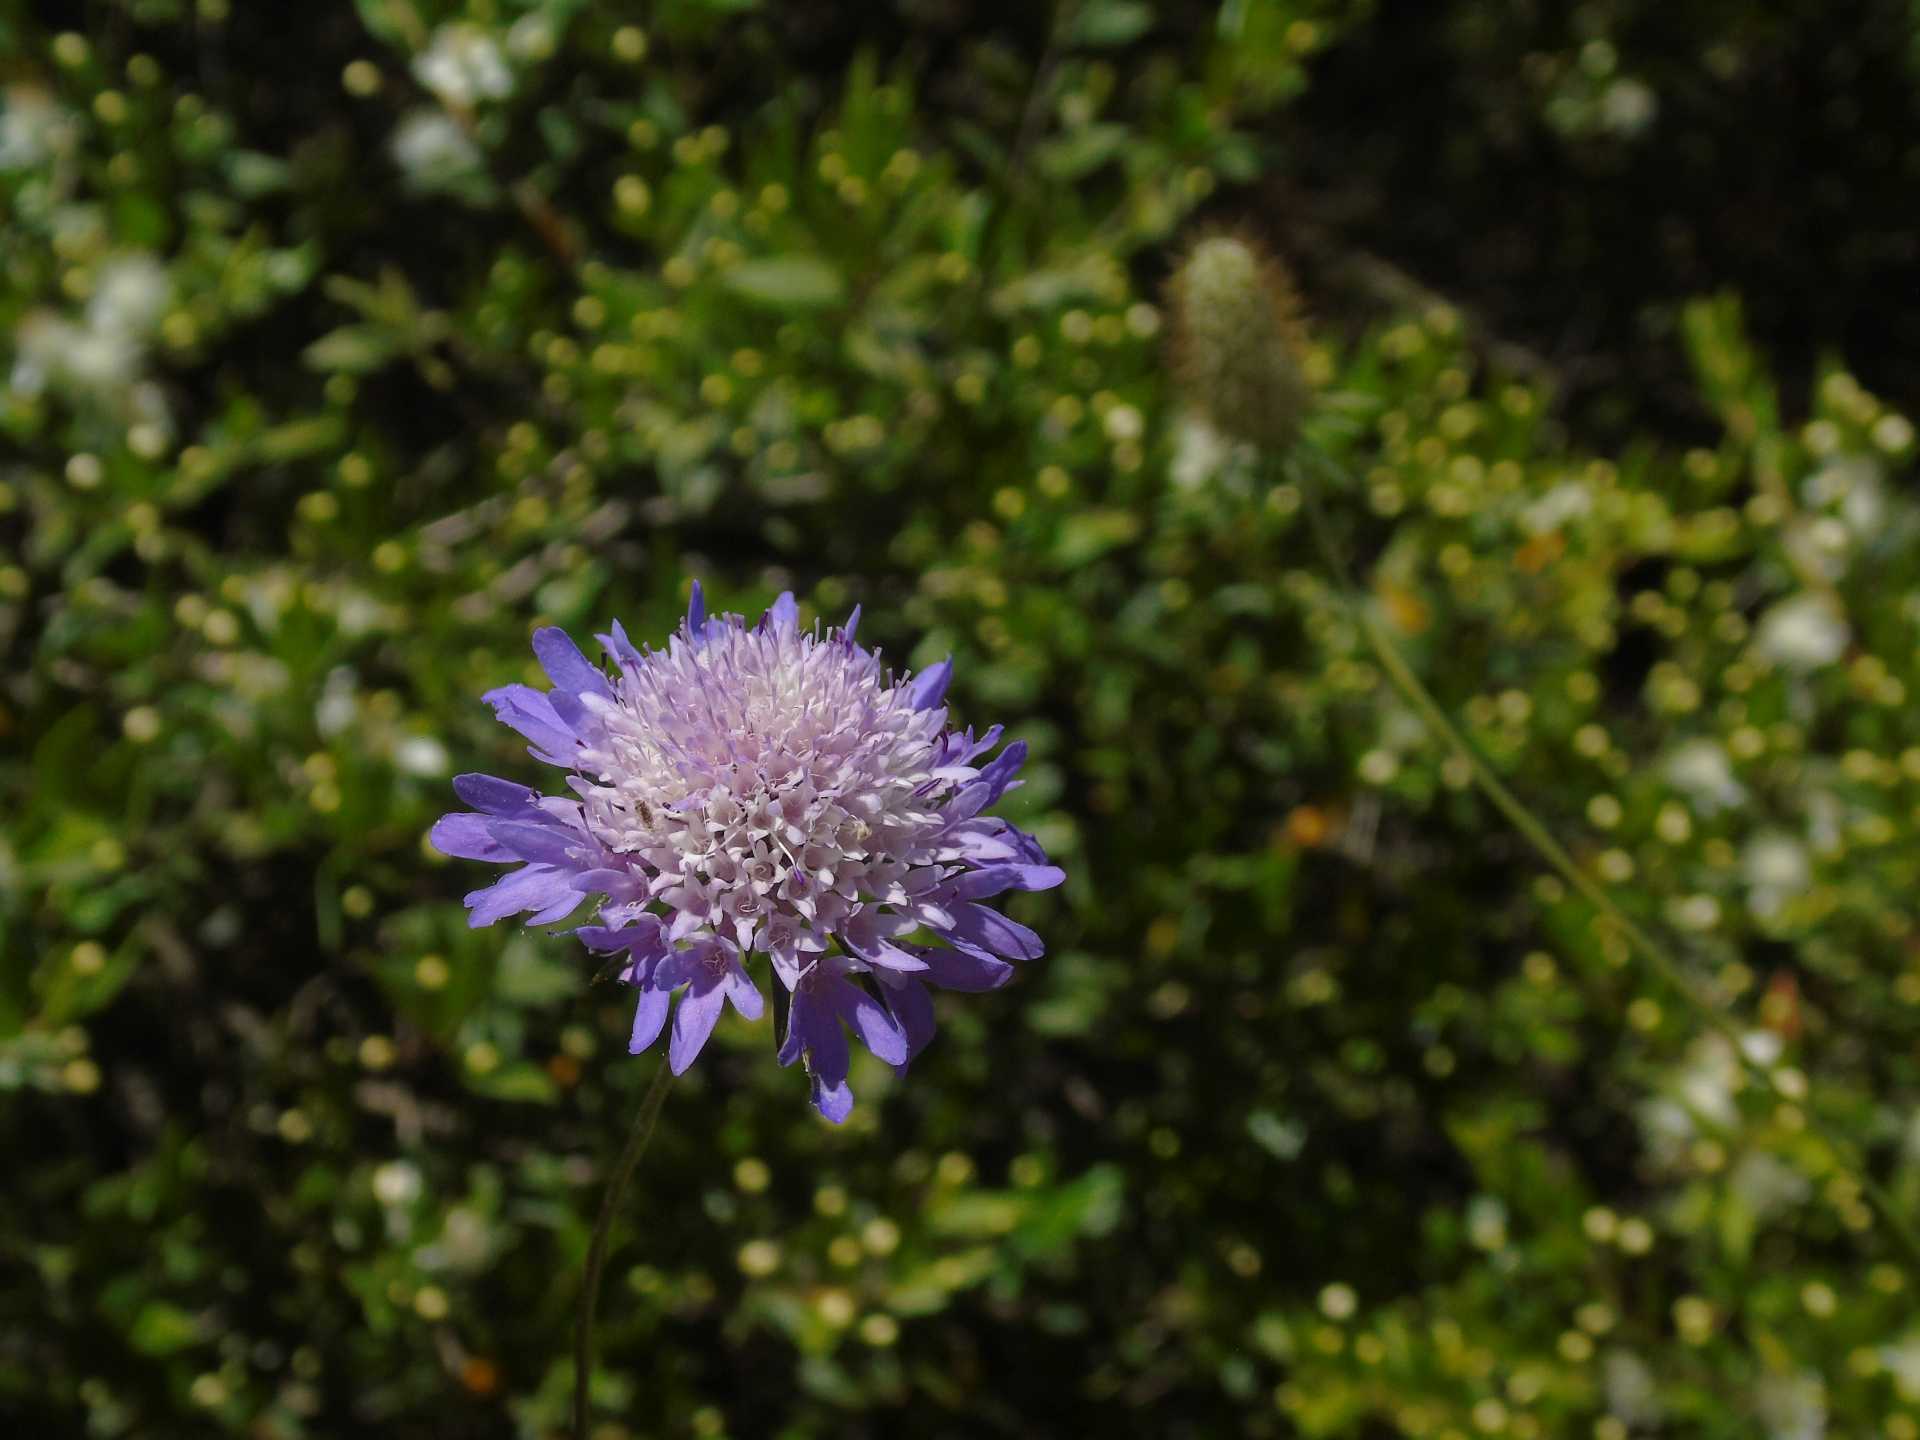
(347, 344)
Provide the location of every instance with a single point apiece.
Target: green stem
(1416, 694)
(637, 1138)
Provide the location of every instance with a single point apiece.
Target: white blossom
(129, 296)
(1805, 632)
(432, 149)
(462, 65)
(1767, 1185)
(33, 128)
(1777, 869)
(1792, 1407)
(1199, 452)
(1633, 1397)
(1701, 770)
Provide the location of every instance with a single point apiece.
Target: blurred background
(342, 344)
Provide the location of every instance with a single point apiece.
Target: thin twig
(642, 1132)
(1416, 694)
(1033, 111)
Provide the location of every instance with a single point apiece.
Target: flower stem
(637, 1138)
(1530, 826)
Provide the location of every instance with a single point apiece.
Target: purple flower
(760, 791)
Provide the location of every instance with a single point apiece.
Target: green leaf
(381, 21)
(528, 977)
(1115, 22)
(788, 282)
(977, 1215)
(560, 132)
(1050, 288)
(68, 994)
(522, 1081)
(298, 439)
(1728, 367)
(162, 1328)
(253, 174)
(61, 763)
(1082, 151)
(1282, 1139)
(352, 349)
(1089, 534)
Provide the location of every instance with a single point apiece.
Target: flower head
(760, 790)
(433, 151)
(463, 66)
(33, 127)
(1236, 341)
(1803, 633)
(130, 294)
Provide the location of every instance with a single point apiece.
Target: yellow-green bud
(1237, 341)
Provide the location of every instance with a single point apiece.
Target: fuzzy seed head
(1237, 341)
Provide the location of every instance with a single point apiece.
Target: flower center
(762, 774)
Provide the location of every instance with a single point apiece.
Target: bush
(347, 344)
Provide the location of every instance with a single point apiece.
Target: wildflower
(463, 65)
(397, 1183)
(129, 296)
(42, 342)
(1199, 454)
(1487, 1222)
(1903, 1364)
(420, 755)
(1766, 1185)
(1628, 107)
(760, 790)
(1791, 1407)
(432, 150)
(1853, 485)
(89, 364)
(1803, 633)
(100, 360)
(33, 128)
(1700, 1096)
(1700, 768)
(1777, 870)
(1557, 508)
(1633, 1395)
(1236, 342)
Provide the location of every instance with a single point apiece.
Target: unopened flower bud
(1237, 342)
